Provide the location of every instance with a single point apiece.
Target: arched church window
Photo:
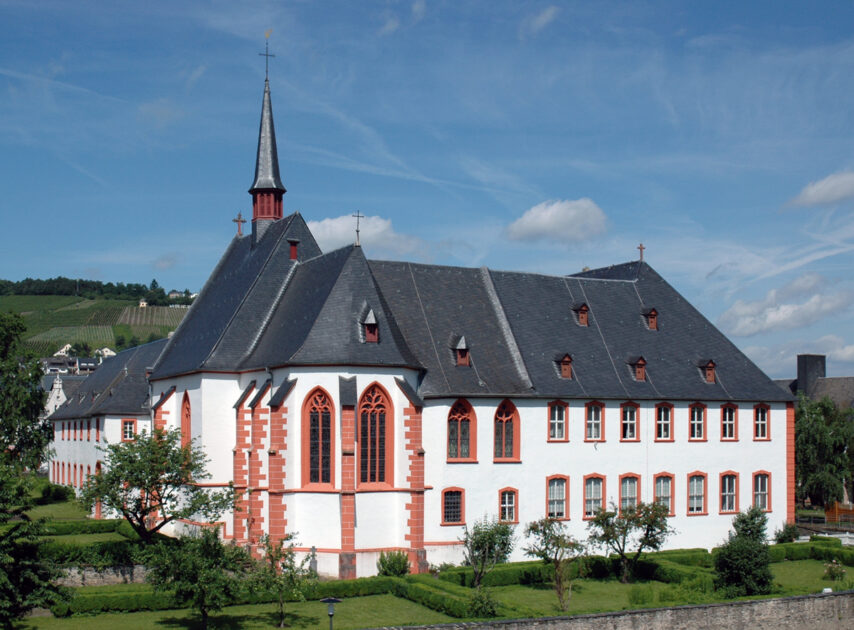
(318, 438)
(375, 437)
(462, 432)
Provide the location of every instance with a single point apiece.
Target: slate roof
(840, 389)
(118, 387)
(267, 162)
(69, 382)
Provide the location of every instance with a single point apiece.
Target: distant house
(143, 303)
(62, 364)
(813, 381)
(63, 351)
(105, 353)
(87, 365)
(59, 389)
(174, 295)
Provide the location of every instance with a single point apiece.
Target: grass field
(85, 539)
(28, 303)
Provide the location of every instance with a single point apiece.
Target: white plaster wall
(315, 518)
(380, 519)
(612, 458)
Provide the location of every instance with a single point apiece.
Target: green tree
(639, 527)
(552, 544)
(199, 570)
(280, 574)
(151, 481)
(26, 581)
(742, 563)
(823, 434)
(486, 544)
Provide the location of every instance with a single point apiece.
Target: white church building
(374, 406)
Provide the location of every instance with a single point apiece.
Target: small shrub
(834, 571)
(482, 604)
(826, 540)
(786, 534)
(641, 595)
(742, 567)
(55, 493)
(393, 564)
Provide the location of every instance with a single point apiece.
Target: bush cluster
(786, 534)
(393, 563)
(65, 528)
(54, 493)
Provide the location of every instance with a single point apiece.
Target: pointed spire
(267, 189)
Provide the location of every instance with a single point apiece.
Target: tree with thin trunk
(487, 543)
(552, 544)
(153, 480)
(282, 575)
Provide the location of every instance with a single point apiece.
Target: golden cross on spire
(266, 54)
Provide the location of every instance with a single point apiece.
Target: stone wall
(87, 576)
(817, 612)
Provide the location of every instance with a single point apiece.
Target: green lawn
(66, 511)
(27, 303)
(374, 611)
(85, 539)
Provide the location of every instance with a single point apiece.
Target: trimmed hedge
(99, 554)
(536, 572)
(65, 528)
(826, 540)
(688, 557)
(114, 602)
(432, 597)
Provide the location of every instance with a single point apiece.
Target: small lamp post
(330, 610)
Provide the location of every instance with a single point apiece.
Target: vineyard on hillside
(152, 316)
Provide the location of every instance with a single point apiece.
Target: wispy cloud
(160, 112)
(390, 25)
(832, 189)
(533, 24)
(559, 221)
(419, 9)
(47, 81)
(799, 303)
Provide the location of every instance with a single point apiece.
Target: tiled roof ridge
(248, 290)
(506, 330)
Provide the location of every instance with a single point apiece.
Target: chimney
(294, 242)
(811, 367)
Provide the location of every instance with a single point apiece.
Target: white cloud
(160, 112)
(376, 235)
(559, 220)
(390, 26)
(831, 189)
(419, 8)
(799, 303)
(780, 361)
(533, 24)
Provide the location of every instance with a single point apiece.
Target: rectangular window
(628, 492)
(557, 422)
(728, 493)
(760, 491)
(696, 494)
(662, 422)
(557, 498)
(664, 492)
(728, 423)
(128, 430)
(629, 428)
(592, 496)
(452, 508)
(593, 428)
(698, 422)
(508, 506)
(760, 424)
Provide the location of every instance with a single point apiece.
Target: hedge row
(114, 602)
(99, 554)
(65, 528)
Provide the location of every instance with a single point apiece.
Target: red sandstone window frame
(735, 489)
(734, 409)
(372, 333)
(637, 480)
(503, 505)
(125, 423)
(590, 422)
(554, 423)
(186, 420)
(635, 422)
(704, 433)
(366, 461)
(656, 496)
(668, 424)
(506, 413)
(652, 319)
(463, 357)
(565, 498)
(705, 487)
(640, 370)
(603, 496)
(320, 399)
(459, 413)
(767, 475)
(765, 424)
(565, 365)
(709, 372)
(445, 522)
(582, 312)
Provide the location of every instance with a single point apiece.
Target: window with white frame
(728, 493)
(557, 498)
(760, 491)
(698, 422)
(557, 421)
(507, 509)
(628, 492)
(592, 496)
(629, 424)
(696, 494)
(760, 423)
(662, 422)
(664, 492)
(593, 426)
(728, 423)
(127, 430)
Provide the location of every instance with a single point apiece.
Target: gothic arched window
(375, 436)
(317, 438)
(462, 432)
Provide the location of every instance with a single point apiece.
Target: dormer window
(651, 316)
(462, 352)
(565, 365)
(708, 369)
(372, 330)
(639, 368)
(581, 312)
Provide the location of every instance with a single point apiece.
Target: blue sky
(533, 136)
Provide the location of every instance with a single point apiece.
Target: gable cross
(357, 216)
(239, 221)
(641, 248)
